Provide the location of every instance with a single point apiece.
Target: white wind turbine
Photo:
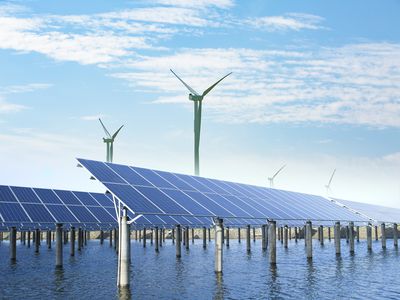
(271, 179)
(328, 186)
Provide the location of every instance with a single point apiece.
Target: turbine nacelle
(195, 97)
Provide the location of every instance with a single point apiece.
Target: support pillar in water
(254, 234)
(383, 236)
(219, 227)
(369, 237)
(285, 237)
(337, 238)
(72, 242)
(351, 237)
(272, 242)
(124, 251)
(156, 239)
(263, 238)
(37, 240)
(248, 237)
(321, 228)
(376, 232)
(59, 246)
(309, 239)
(395, 235)
(358, 233)
(227, 237)
(204, 238)
(187, 237)
(239, 240)
(144, 237)
(178, 240)
(13, 244)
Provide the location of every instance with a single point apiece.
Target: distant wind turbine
(328, 186)
(271, 179)
(109, 141)
(197, 100)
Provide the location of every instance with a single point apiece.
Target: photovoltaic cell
(47, 196)
(152, 177)
(61, 213)
(83, 214)
(6, 195)
(129, 175)
(68, 197)
(38, 213)
(13, 212)
(86, 199)
(24, 194)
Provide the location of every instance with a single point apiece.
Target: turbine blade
(273, 177)
(330, 180)
(185, 84)
(116, 133)
(213, 86)
(105, 129)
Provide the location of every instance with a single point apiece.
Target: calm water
(91, 274)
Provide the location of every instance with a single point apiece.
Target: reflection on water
(124, 293)
(91, 274)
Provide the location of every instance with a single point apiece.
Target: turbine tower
(197, 101)
(109, 141)
(271, 179)
(328, 186)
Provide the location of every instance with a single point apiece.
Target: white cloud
(197, 3)
(343, 85)
(290, 21)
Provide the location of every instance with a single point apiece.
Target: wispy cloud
(7, 91)
(290, 21)
(343, 85)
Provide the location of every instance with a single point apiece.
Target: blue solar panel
(68, 197)
(196, 196)
(163, 201)
(47, 196)
(103, 199)
(24, 194)
(83, 214)
(137, 202)
(6, 195)
(152, 177)
(38, 213)
(129, 175)
(86, 199)
(102, 214)
(13, 212)
(187, 202)
(62, 214)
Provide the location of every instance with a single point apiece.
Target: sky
(315, 86)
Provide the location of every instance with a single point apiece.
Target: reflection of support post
(219, 227)
(204, 238)
(383, 236)
(309, 239)
(124, 251)
(59, 246)
(351, 237)
(369, 237)
(337, 238)
(178, 240)
(272, 242)
(395, 235)
(13, 244)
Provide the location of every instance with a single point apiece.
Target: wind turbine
(197, 101)
(328, 186)
(271, 179)
(109, 140)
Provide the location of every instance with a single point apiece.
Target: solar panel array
(152, 192)
(375, 212)
(26, 207)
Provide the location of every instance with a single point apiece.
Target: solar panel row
(36, 206)
(152, 192)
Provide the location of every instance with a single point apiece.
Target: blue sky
(315, 85)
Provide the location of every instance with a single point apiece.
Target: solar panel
(38, 213)
(6, 195)
(13, 212)
(47, 196)
(147, 192)
(375, 212)
(24, 194)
